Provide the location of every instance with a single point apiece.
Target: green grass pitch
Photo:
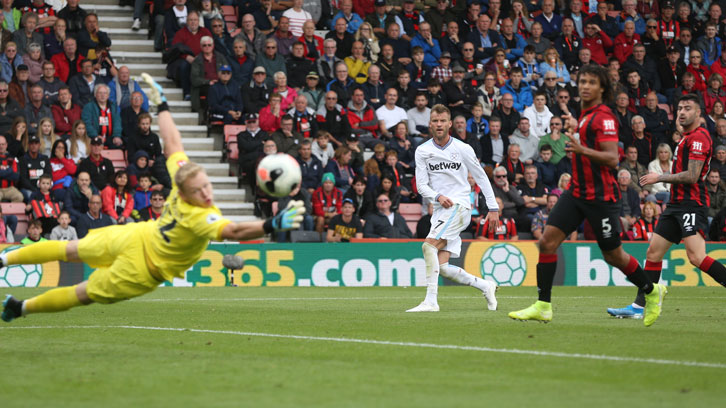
(355, 347)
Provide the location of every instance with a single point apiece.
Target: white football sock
(459, 275)
(430, 254)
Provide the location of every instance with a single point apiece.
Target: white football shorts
(447, 223)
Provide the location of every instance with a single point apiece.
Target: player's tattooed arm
(690, 176)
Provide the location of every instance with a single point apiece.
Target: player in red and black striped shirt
(593, 195)
(686, 216)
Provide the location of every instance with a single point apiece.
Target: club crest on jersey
(444, 166)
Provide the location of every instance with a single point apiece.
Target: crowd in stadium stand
(346, 87)
(63, 101)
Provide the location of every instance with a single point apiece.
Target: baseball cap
(668, 4)
(380, 3)
(259, 69)
(251, 117)
(22, 67)
(97, 141)
(312, 74)
(458, 68)
(408, 1)
(353, 137)
(349, 201)
(33, 139)
(672, 49)
(445, 54)
(225, 68)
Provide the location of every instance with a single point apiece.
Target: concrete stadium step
(137, 57)
(125, 33)
(117, 21)
(234, 194)
(235, 208)
(209, 156)
(242, 218)
(221, 182)
(177, 106)
(190, 131)
(186, 119)
(155, 70)
(216, 169)
(133, 46)
(198, 143)
(114, 3)
(104, 10)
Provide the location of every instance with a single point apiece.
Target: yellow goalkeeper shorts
(117, 252)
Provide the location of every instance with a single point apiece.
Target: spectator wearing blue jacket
(710, 45)
(346, 12)
(631, 14)
(430, 46)
(225, 98)
(512, 42)
(103, 118)
(529, 65)
(519, 89)
(122, 87)
(551, 21)
(553, 63)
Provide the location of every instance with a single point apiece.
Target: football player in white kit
(442, 166)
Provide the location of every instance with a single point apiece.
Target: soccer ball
(504, 264)
(278, 175)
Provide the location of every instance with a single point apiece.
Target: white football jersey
(444, 170)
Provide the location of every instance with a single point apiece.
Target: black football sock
(637, 276)
(546, 269)
(714, 269)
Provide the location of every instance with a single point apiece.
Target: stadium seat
(412, 227)
(305, 236)
(466, 235)
(230, 140)
(18, 210)
(117, 157)
(230, 13)
(411, 212)
(668, 110)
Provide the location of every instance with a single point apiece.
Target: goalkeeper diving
(134, 259)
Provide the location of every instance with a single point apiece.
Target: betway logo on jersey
(444, 166)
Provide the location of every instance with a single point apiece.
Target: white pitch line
(273, 299)
(276, 299)
(597, 357)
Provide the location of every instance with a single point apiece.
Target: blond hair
(185, 172)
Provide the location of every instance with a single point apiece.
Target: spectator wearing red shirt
(67, 63)
(63, 168)
(699, 71)
(270, 115)
(625, 41)
(327, 202)
(190, 36)
(597, 42)
(118, 200)
(65, 112)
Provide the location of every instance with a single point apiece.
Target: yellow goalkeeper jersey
(177, 239)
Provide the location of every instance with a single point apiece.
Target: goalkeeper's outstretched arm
(168, 132)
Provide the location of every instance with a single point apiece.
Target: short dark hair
(144, 175)
(602, 74)
(545, 147)
(286, 117)
(690, 97)
(516, 68)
